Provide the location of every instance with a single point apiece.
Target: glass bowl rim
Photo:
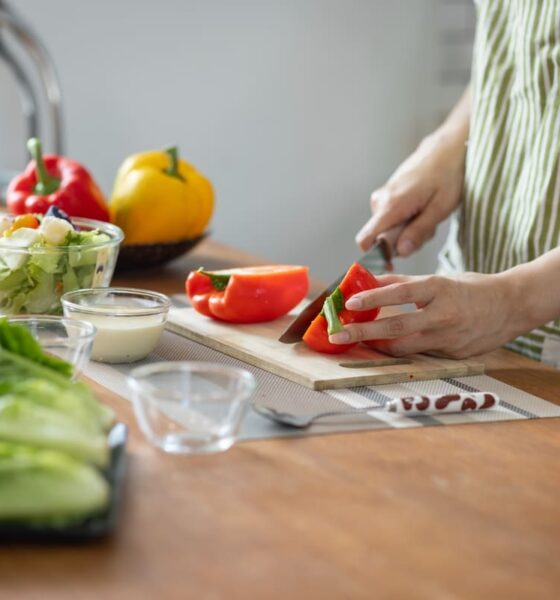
(139, 374)
(68, 301)
(86, 333)
(113, 231)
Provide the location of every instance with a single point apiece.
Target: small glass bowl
(190, 407)
(68, 339)
(129, 322)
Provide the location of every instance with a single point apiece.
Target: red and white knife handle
(443, 403)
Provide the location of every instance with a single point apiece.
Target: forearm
(455, 129)
(425, 189)
(453, 133)
(535, 291)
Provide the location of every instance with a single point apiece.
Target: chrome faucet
(16, 40)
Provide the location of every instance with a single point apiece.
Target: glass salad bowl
(35, 274)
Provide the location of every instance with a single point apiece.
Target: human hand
(423, 191)
(456, 317)
(426, 188)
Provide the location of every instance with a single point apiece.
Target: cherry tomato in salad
(28, 221)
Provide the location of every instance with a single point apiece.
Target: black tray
(96, 526)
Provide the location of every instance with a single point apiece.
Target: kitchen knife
(377, 260)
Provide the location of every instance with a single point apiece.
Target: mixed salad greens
(42, 257)
(53, 436)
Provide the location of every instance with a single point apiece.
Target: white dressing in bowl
(129, 322)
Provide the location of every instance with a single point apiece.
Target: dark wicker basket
(146, 256)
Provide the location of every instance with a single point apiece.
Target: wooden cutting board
(257, 344)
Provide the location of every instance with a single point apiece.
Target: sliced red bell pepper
(55, 181)
(247, 295)
(333, 316)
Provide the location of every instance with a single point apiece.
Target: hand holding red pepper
(334, 314)
(55, 181)
(248, 295)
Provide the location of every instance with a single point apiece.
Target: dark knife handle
(388, 240)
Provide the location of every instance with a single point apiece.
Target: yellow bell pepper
(158, 197)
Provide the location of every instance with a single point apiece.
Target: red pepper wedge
(247, 295)
(334, 315)
(53, 180)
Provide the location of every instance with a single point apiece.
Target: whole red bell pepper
(55, 181)
(247, 295)
(334, 315)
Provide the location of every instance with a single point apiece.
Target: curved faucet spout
(13, 24)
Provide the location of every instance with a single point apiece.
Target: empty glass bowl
(68, 339)
(190, 407)
(129, 322)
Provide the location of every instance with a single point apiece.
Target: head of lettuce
(53, 436)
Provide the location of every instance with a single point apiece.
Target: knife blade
(377, 260)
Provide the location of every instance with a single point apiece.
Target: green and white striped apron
(510, 212)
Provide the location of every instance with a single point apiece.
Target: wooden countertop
(468, 511)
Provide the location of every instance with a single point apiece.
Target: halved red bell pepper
(247, 295)
(55, 181)
(333, 316)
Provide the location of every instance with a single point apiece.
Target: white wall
(296, 109)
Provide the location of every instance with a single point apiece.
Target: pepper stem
(331, 308)
(173, 168)
(46, 184)
(219, 281)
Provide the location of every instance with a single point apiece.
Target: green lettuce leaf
(33, 281)
(46, 486)
(32, 423)
(18, 340)
(53, 434)
(41, 384)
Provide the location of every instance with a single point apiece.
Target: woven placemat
(288, 396)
